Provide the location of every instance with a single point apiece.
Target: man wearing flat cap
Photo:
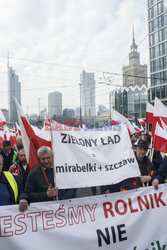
(9, 155)
(146, 168)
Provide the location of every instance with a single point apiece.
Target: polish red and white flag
(142, 122)
(160, 139)
(1, 138)
(160, 112)
(2, 119)
(10, 135)
(149, 113)
(32, 137)
(117, 117)
(18, 129)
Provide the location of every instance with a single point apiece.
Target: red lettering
(132, 210)
(151, 199)
(159, 200)
(117, 208)
(58, 127)
(91, 211)
(68, 125)
(107, 207)
(76, 217)
(5, 226)
(141, 201)
(21, 224)
(59, 216)
(33, 217)
(47, 218)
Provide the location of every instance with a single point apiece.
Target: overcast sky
(51, 41)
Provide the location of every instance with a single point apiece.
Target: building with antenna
(157, 26)
(135, 74)
(14, 90)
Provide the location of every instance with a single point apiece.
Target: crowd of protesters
(20, 186)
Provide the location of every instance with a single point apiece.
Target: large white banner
(92, 158)
(133, 220)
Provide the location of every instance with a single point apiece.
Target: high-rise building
(157, 23)
(135, 74)
(88, 103)
(67, 112)
(14, 90)
(54, 104)
(77, 111)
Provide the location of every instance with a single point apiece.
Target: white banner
(93, 158)
(133, 220)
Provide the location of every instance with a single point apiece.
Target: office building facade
(14, 90)
(157, 25)
(54, 104)
(88, 102)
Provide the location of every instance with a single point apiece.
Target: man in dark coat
(162, 173)
(145, 166)
(40, 182)
(20, 168)
(9, 155)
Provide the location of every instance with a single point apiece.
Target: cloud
(87, 34)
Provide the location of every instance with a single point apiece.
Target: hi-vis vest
(12, 183)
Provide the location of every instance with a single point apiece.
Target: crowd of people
(20, 186)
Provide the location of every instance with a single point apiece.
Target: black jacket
(146, 168)
(8, 160)
(22, 173)
(162, 172)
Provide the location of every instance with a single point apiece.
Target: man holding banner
(40, 184)
(145, 166)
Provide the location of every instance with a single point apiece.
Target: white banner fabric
(92, 158)
(133, 220)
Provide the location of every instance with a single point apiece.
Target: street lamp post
(80, 105)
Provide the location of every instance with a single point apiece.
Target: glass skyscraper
(14, 90)
(88, 102)
(157, 23)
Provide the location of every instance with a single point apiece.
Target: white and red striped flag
(18, 129)
(10, 135)
(142, 122)
(117, 117)
(160, 112)
(2, 119)
(160, 139)
(31, 137)
(149, 113)
(1, 138)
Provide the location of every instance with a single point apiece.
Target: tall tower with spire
(135, 74)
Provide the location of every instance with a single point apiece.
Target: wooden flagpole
(54, 173)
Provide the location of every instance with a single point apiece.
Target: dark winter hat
(142, 144)
(6, 143)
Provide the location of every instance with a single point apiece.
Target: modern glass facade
(128, 101)
(14, 90)
(157, 23)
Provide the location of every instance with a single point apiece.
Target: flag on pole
(18, 129)
(160, 139)
(116, 116)
(31, 137)
(160, 112)
(149, 113)
(2, 119)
